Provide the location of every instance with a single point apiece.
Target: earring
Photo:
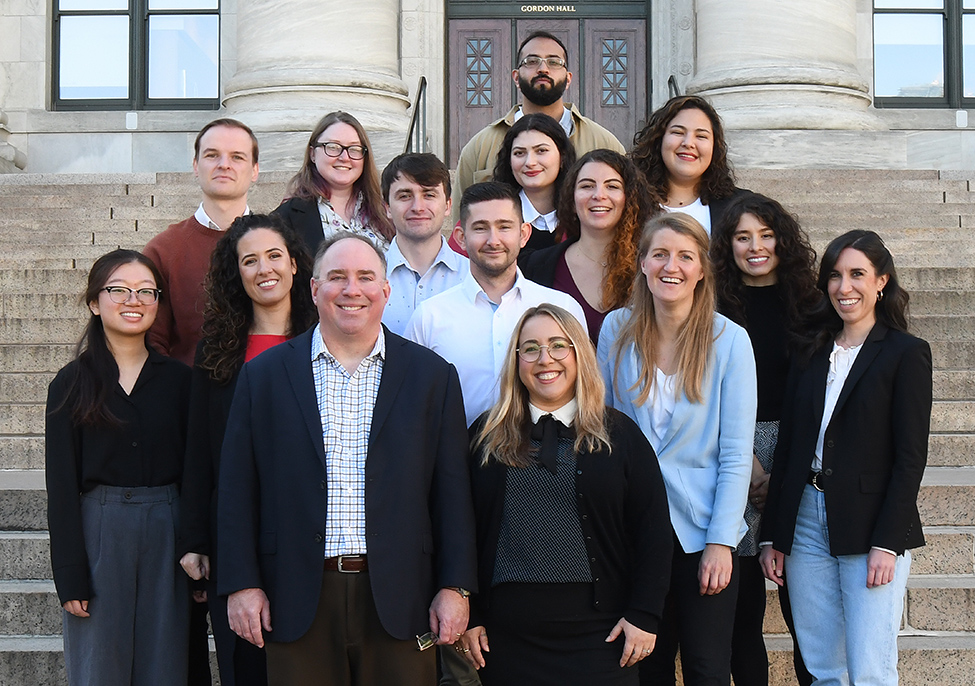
(880, 296)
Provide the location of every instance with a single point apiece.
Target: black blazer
(303, 216)
(718, 206)
(623, 514)
(274, 488)
(539, 265)
(208, 412)
(874, 450)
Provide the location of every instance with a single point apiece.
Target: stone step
(21, 452)
(953, 354)
(29, 607)
(955, 384)
(27, 357)
(937, 278)
(24, 388)
(840, 176)
(42, 331)
(29, 202)
(58, 281)
(951, 450)
(956, 328)
(32, 305)
(32, 661)
(25, 555)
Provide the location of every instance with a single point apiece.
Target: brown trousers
(347, 645)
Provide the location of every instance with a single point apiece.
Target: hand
(637, 644)
(248, 610)
(449, 613)
(773, 564)
(758, 486)
(714, 573)
(199, 596)
(472, 645)
(880, 567)
(196, 566)
(79, 608)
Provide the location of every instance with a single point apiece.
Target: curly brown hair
(718, 180)
(621, 263)
(308, 184)
(229, 311)
(796, 271)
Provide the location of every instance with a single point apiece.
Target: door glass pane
(968, 56)
(94, 61)
(908, 55)
(968, 4)
(183, 56)
(909, 4)
(182, 5)
(69, 5)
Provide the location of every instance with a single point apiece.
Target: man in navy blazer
(344, 536)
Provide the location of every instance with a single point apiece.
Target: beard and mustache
(543, 97)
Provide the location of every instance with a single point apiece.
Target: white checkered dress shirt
(345, 405)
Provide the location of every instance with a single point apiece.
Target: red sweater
(182, 254)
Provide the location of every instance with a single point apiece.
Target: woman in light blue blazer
(686, 375)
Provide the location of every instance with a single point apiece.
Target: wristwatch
(464, 593)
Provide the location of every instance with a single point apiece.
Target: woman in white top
(686, 375)
(337, 187)
(534, 158)
(684, 155)
(842, 505)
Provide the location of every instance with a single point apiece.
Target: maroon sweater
(182, 254)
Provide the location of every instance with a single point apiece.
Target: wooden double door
(607, 58)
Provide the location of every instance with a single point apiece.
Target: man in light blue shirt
(416, 190)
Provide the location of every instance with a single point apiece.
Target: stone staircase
(53, 227)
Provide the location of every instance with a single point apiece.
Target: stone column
(300, 59)
(782, 64)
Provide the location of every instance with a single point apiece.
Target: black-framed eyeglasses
(534, 62)
(120, 294)
(356, 152)
(558, 349)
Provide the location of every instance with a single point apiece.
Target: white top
(696, 209)
(542, 222)
(201, 216)
(408, 288)
(840, 362)
(565, 415)
(662, 409)
(565, 121)
(466, 329)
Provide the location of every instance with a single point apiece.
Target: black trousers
(701, 627)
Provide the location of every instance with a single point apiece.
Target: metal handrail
(673, 87)
(416, 135)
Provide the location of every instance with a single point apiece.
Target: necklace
(594, 261)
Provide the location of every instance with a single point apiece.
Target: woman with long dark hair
(573, 535)
(683, 153)
(686, 375)
(765, 275)
(114, 443)
(842, 512)
(534, 157)
(601, 211)
(337, 187)
(257, 296)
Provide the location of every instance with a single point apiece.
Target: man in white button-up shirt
(416, 190)
(470, 324)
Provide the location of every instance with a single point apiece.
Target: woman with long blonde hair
(686, 375)
(572, 527)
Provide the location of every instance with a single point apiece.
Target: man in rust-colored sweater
(225, 163)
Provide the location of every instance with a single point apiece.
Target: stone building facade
(832, 83)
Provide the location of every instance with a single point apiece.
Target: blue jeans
(847, 632)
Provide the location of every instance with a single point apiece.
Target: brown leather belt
(347, 564)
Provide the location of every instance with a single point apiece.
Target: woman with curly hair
(337, 187)
(600, 220)
(766, 281)
(573, 535)
(257, 296)
(534, 158)
(684, 155)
